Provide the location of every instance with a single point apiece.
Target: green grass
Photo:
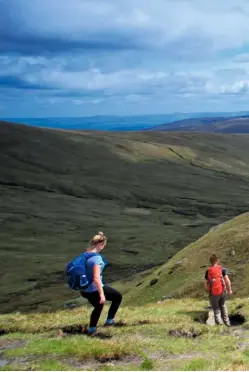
(49, 365)
(146, 365)
(79, 346)
(58, 188)
(199, 364)
(134, 347)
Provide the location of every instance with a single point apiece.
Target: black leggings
(93, 297)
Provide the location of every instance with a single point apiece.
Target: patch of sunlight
(211, 162)
(228, 164)
(138, 150)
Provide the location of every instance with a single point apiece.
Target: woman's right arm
(97, 281)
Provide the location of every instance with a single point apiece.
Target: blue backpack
(77, 273)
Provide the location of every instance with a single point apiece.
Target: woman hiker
(97, 293)
(218, 285)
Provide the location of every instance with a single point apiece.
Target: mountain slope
(183, 275)
(151, 193)
(208, 125)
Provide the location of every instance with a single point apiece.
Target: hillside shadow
(237, 319)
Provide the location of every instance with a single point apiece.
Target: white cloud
(228, 81)
(94, 79)
(132, 83)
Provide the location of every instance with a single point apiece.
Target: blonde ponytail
(98, 238)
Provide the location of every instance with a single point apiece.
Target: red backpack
(216, 282)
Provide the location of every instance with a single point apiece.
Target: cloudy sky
(95, 57)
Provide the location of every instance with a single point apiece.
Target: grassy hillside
(208, 125)
(182, 276)
(160, 337)
(151, 193)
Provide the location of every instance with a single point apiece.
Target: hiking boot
(91, 331)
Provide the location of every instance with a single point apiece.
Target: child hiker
(218, 285)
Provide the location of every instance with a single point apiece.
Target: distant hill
(119, 123)
(152, 193)
(209, 125)
(183, 275)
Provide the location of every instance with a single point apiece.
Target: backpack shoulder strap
(220, 271)
(90, 255)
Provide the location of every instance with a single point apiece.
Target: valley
(151, 193)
